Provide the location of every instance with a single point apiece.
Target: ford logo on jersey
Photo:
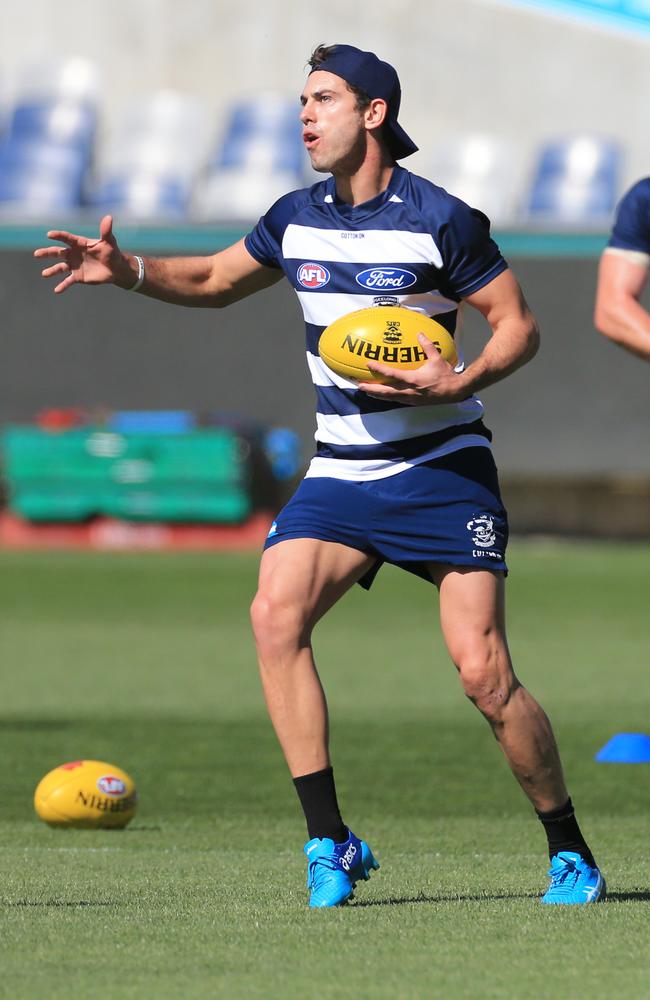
(386, 278)
(313, 275)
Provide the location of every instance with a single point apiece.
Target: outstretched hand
(85, 261)
(435, 381)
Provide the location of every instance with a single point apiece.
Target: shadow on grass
(483, 898)
(629, 897)
(612, 897)
(46, 903)
(34, 725)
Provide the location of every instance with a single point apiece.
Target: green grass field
(146, 661)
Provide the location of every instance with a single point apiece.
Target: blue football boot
(333, 870)
(573, 881)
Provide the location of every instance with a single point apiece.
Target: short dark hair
(319, 55)
(367, 77)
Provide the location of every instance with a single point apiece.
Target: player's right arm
(211, 281)
(619, 315)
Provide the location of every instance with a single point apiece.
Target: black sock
(564, 834)
(317, 796)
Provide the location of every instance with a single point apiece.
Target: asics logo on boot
(348, 857)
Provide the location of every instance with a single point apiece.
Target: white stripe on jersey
(322, 308)
(372, 246)
(636, 256)
(322, 375)
(355, 470)
(399, 424)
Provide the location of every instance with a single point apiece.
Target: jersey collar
(356, 213)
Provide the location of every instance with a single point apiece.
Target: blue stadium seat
(56, 122)
(47, 152)
(259, 157)
(143, 196)
(576, 180)
(152, 158)
(37, 176)
(483, 170)
(262, 134)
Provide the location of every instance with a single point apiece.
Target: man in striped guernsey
(403, 472)
(623, 274)
(412, 245)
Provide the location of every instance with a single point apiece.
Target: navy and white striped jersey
(413, 245)
(632, 226)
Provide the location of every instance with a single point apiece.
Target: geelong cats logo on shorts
(483, 533)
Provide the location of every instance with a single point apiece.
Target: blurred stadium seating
(483, 170)
(169, 157)
(47, 150)
(151, 162)
(258, 158)
(576, 180)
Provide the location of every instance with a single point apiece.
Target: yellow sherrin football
(388, 334)
(87, 794)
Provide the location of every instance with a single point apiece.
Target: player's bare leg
(300, 579)
(472, 615)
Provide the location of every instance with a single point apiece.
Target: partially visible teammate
(403, 472)
(623, 274)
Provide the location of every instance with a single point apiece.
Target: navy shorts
(448, 510)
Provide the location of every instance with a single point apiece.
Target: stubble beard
(346, 163)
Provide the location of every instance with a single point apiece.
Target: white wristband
(140, 278)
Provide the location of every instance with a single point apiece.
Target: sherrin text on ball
(388, 334)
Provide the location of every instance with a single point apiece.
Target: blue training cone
(626, 748)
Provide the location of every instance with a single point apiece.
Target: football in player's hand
(388, 334)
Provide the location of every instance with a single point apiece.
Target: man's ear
(375, 113)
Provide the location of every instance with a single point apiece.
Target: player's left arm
(622, 276)
(514, 341)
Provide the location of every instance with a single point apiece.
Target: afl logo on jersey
(386, 279)
(313, 275)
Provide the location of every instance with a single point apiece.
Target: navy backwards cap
(378, 79)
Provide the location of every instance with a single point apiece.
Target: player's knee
(490, 697)
(277, 623)
(488, 682)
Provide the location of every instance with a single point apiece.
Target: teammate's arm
(214, 281)
(514, 341)
(622, 276)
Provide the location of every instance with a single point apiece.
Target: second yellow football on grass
(86, 794)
